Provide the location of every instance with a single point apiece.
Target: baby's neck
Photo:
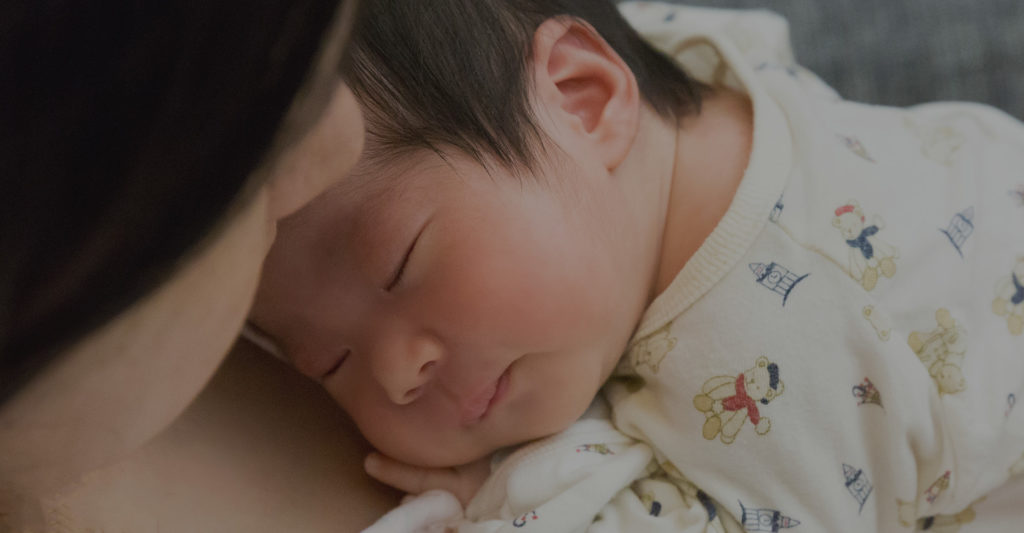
(712, 151)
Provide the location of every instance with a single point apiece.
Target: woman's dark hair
(130, 130)
(450, 74)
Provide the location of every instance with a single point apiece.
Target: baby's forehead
(361, 204)
(388, 188)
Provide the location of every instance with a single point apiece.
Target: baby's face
(451, 312)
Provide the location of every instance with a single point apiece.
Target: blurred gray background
(902, 52)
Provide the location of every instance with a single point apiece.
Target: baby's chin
(438, 456)
(449, 454)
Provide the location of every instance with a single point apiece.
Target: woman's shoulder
(261, 449)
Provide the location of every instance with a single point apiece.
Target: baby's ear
(584, 86)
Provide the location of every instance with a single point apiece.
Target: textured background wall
(901, 52)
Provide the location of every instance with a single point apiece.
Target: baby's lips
(473, 410)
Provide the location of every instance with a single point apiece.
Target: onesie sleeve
(590, 478)
(559, 484)
(843, 351)
(423, 513)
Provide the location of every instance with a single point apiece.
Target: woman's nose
(405, 368)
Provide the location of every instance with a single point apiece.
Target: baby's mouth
(476, 410)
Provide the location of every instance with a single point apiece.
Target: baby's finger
(408, 478)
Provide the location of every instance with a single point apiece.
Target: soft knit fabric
(589, 478)
(858, 297)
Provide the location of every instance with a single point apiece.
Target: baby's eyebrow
(257, 336)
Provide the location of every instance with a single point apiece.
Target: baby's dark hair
(444, 74)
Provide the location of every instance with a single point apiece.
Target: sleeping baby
(802, 312)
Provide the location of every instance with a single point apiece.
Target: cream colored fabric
(589, 478)
(845, 351)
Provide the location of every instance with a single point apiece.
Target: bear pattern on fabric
(870, 256)
(652, 349)
(942, 351)
(727, 402)
(1009, 300)
(939, 142)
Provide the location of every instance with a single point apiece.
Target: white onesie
(845, 350)
(589, 478)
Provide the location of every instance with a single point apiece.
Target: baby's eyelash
(396, 278)
(337, 364)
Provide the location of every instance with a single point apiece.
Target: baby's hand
(462, 481)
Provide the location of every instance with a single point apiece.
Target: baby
(820, 302)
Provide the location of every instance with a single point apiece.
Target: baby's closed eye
(397, 274)
(336, 364)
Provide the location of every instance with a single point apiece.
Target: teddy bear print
(939, 143)
(1009, 301)
(658, 494)
(941, 351)
(946, 523)
(652, 349)
(938, 523)
(663, 496)
(728, 401)
(870, 257)
(906, 511)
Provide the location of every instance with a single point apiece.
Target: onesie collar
(760, 188)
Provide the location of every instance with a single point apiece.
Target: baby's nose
(409, 369)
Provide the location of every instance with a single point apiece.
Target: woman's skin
(262, 449)
(102, 400)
